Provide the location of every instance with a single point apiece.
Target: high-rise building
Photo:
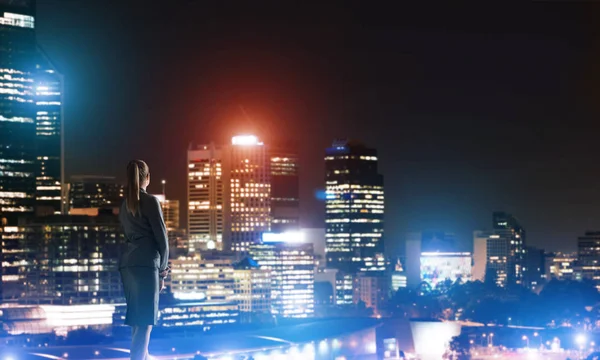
(205, 198)
(290, 261)
(18, 156)
(48, 123)
(247, 194)
(588, 256)
(534, 269)
(285, 188)
(354, 211)
(62, 260)
(513, 234)
(229, 185)
(504, 250)
(95, 192)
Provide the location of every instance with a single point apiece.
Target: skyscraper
(290, 261)
(247, 178)
(354, 209)
(230, 186)
(48, 123)
(205, 198)
(17, 108)
(285, 189)
(503, 249)
(507, 227)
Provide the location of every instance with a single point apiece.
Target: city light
(244, 140)
(580, 339)
(286, 237)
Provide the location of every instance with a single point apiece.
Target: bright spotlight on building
(580, 339)
(242, 140)
(308, 349)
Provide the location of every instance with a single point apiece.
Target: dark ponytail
(137, 172)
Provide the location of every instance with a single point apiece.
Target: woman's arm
(159, 229)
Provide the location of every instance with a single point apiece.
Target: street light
(491, 339)
(525, 338)
(163, 182)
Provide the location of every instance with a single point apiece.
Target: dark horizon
(472, 109)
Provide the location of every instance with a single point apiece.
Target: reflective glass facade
(17, 109)
(354, 211)
(292, 276)
(588, 256)
(285, 189)
(48, 127)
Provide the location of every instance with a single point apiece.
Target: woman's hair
(137, 172)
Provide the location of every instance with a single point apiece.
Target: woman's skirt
(141, 294)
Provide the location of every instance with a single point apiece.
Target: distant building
(354, 203)
(504, 250)
(94, 192)
(534, 270)
(588, 255)
(285, 188)
(399, 279)
(205, 197)
(560, 266)
(62, 260)
(209, 278)
(422, 246)
(291, 263)
(252, 289)
(480, 239)
(229, 185)
(372, 290)
(439, 267)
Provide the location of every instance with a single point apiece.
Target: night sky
(472, 109)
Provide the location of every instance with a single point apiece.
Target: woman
(144, 264)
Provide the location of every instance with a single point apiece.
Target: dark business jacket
(146, 235)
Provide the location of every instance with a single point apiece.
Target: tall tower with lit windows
(229, 195)
(354, 214)
(247, 179)
(17, 109)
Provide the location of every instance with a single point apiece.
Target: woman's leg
(140, 338)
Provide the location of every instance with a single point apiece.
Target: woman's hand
(162, 284)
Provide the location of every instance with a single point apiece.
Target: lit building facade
(285, 188)
(205, 198)
(48, 123)
(510, 230)
(247, 194)
(354, 213)
(588, 256)
(372, 290)
(419, 249)
(560, 266)
(252, 289)
(229, 195)
(178, 242)
(66, 260)
(437, 267)
(17, 109)
(87, 192)
(290, 261)
(207, 277)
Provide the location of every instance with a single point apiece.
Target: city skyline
(438, 117)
